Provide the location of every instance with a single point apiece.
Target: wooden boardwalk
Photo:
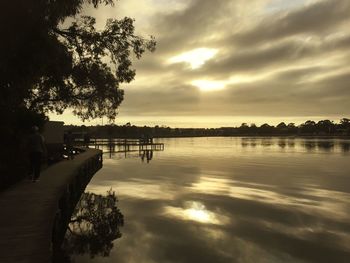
(28, 212)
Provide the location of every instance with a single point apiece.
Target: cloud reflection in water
(196, 211)
(255, 203)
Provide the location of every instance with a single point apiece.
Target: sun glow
(215, 85)
(196, 211)
(198, 215)
(208, 85)
(196, 57)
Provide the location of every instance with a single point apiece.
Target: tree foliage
(47, 66)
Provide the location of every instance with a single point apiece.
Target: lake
(219, 199)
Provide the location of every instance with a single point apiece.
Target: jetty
(35, 215)
(125, 145)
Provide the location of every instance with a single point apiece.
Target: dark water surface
(226, 200)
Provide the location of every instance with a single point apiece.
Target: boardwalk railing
(71, 196)
(34, 216)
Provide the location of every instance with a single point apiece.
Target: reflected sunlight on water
(196, 211)
(231, 200)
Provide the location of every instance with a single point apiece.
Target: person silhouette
(37, 149)
(69, 140)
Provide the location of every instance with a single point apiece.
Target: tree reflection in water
(94, 225)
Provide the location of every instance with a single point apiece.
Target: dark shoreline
(245, 136)
(321, 129)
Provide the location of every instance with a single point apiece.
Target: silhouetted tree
(325, 126)
(308, 127)
(253, 129)
(282, 128)
(345, 125)
(292, 129)
(46, 66)
(51, 59)
(281, 125)
(345, 121)
(244, 128)
(266, 129)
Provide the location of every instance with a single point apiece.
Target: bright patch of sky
(196, 57)
(208, 85)
(214, 85)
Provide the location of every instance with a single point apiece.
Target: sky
(223, 62)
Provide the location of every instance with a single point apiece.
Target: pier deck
(28, 211)
(127, 144)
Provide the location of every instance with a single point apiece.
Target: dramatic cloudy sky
(223, 62)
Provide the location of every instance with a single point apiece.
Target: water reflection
(325, 145)
(310, 145)
(282, 143)
(94, 225)
(145, 155)
(345, 146)
(233, 200)
(148, 154)
(196, 211)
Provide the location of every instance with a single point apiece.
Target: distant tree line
(308, 128)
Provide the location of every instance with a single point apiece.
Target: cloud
(276, 55)
(272, 58)
(172, 100)
(195, 25)
(314, 19)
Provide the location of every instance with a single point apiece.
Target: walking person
(69, 145)
(37, 149)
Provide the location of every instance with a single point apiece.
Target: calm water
(224, 200)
